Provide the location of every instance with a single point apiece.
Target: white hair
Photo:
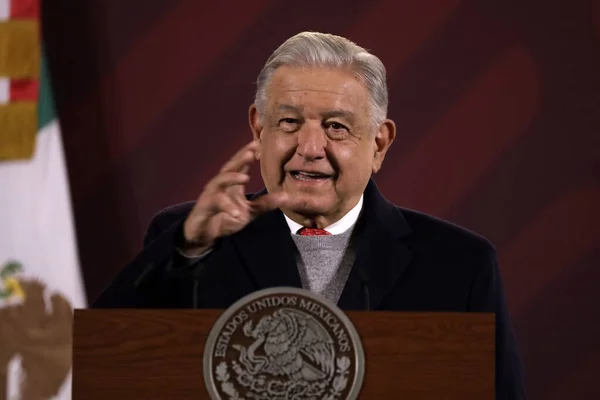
(318, 50)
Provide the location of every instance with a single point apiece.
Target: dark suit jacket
(413, 262)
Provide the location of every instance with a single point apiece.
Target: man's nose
(311, 142)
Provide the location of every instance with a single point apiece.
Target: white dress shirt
(336, 228)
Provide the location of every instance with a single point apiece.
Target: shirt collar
(337, 227)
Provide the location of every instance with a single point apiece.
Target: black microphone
(195, 293)
(197, 274)
(364, 282)
(141, 278)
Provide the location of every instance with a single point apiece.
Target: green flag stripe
(46, 110)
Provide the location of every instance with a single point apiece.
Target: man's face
(317, 141)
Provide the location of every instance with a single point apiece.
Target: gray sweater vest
(324, 263)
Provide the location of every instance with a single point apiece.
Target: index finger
(241, 159)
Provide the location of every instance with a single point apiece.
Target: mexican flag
(40, 280)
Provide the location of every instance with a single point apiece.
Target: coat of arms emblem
(283, 343)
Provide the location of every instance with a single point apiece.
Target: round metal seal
(283, 343)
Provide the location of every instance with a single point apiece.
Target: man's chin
(309, 206)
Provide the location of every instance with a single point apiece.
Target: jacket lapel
(380, 253)
(269, 251)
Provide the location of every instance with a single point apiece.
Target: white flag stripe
(4, 89)
(57, 221)
(4, 10)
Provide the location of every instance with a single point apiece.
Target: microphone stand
(364, 282)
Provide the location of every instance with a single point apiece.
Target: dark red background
(497, 105)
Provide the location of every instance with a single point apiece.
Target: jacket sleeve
(487, 295)
(145, 281)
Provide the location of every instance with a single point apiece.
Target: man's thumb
(269, 202)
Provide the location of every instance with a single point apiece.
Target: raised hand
(222, 208)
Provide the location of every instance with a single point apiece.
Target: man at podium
(320, 132)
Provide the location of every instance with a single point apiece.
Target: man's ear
(385, 135)
(255, 122)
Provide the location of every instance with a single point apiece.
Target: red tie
(313, 232)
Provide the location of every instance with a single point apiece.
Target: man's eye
(289, 124)
(336, 127)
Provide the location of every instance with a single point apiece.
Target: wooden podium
(158, 354)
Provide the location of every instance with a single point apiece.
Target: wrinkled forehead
(316, 90)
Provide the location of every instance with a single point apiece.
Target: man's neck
(340, 225)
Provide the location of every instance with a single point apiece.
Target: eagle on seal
(294, 344)
(41, 337)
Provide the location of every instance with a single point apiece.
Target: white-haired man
(320, 131)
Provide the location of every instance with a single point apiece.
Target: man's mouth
(309, 176)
